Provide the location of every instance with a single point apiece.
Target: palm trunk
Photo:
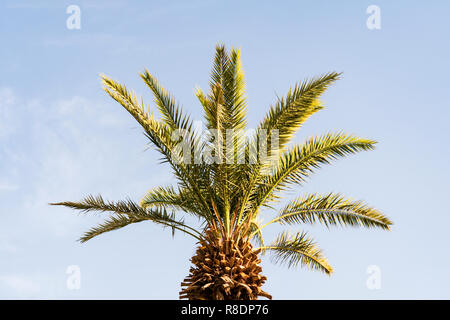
(224, 270)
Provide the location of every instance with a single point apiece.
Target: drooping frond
(298, 249)
(126, 212)
(296, 164)
(114, 222)
(332, 209)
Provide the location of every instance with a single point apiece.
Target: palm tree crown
(228, 193)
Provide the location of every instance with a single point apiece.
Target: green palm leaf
(290, 112)
(298, 249)
(170, 198)
(114, 222)
(332, 209)
(126, 212)
(296, 164)
(159, 133)
(172, 113)
(284, 119)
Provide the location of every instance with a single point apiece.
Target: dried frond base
(224, 270)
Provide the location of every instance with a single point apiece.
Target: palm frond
(114, 222)
(234, 92)
(171, 112)
(332, 209)
(174, 117)
(281, 123)
(170, 198)
(128, 211)
(210, 113)
(291, 111)
(159, 133)
(298, 249)
(296, 164)
(226, 106)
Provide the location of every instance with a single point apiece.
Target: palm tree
(227, 195)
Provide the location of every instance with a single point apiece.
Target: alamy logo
(73, 22)
(374, 280)
(374, 20)
(74, 279)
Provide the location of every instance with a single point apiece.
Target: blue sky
(62, 137)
